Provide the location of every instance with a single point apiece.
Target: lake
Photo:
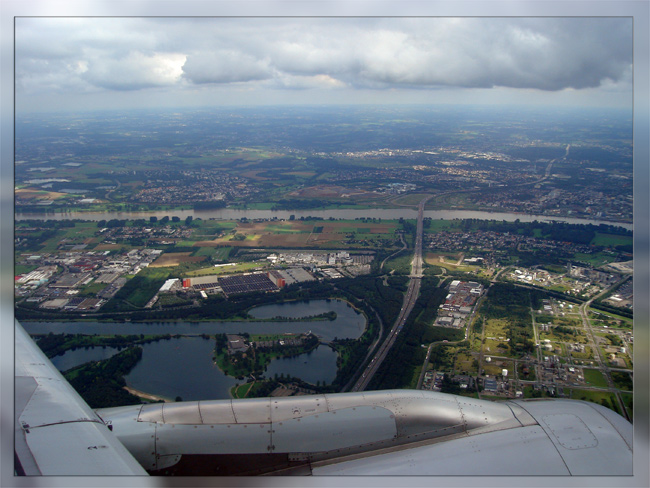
(184, 366)
(79, 356)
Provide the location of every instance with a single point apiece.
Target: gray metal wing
(394, 432)
(55, 431)
(568, 438)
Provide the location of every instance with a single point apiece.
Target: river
(345, 214)
(184, 367)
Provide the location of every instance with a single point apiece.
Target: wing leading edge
(55, 431)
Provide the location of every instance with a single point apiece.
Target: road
(411, 296)
(602, 364)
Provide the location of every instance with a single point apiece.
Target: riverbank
(147, 396)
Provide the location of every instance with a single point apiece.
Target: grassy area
(442, 357)
(241, 391)
(449, 261)
(601, 397)
(216, 253)
(530, 392)
(222, 253)
(52, 244)
(628, 401)
(611, 240)
(20, 269)
(438, 225)
(564, 334)
(81, 231)
(237, 268)
(492, 398)
(569, 320)
(559, 287)
(92, 289)
(594, 377)
(496, 328)
(553, 268)
(451, 200)
(491, 369)
(596, 259)
(622, 381)
(212, 226)
(399, 265)
(588, 354)
(206, 251)
(465, 364)
(170, 299)
(598, 318)
(142, 287)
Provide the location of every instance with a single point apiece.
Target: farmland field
(176, 258)
(288, 234)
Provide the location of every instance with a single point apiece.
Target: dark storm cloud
(127, 54)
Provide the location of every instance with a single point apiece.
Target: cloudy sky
(86, 63)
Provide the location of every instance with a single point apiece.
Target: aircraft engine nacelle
(297, 433)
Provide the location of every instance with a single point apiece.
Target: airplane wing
(55, 431)
(565, 438)
(393, 432)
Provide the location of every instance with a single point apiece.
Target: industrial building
(249, 282)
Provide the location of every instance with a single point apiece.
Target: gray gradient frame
(639, 10)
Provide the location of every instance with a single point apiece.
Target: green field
(218, 253)
(241, 391)
(628, 401)
(439, 225)
(610, 240)
(601, 397)
(237, 268)
(400, 264)
(170, 300)
(594, 378)
(595, 259)
(622, 381)
(140, 289)
(207, 229)
(598, 318)
(92, 289)
(20, 269)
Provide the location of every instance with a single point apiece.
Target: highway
(411, 296)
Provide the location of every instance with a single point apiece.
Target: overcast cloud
(101, 56)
